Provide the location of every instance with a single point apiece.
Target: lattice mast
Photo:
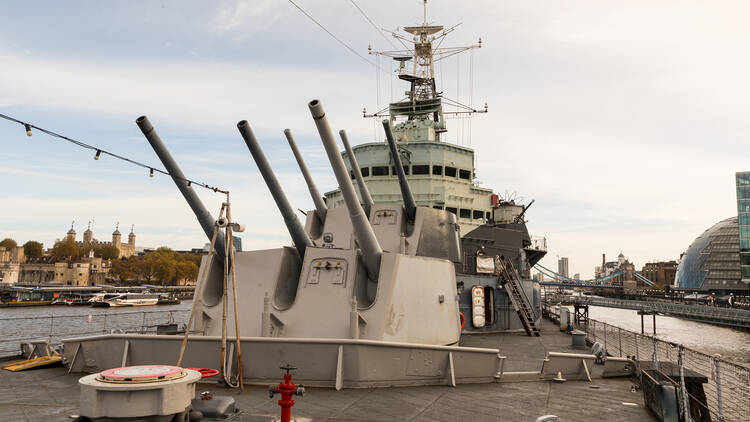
(422, 107)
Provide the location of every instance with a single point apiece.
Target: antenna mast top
(423, 103)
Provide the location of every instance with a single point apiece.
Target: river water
(732, 344)
(61, 321)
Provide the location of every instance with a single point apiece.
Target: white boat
(134, 299)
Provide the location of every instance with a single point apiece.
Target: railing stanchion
(683, 389)
(719, 404)
(637, 355)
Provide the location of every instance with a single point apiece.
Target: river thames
(57, 322)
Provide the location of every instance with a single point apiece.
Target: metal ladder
(521, 304)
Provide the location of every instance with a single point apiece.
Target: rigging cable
(99, 151)
(373, 24)
(335, 37)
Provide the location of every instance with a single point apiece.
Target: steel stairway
(521, 303)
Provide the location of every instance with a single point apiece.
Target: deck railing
(15, 331)
(727, 392)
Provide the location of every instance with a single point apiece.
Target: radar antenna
(423, 104)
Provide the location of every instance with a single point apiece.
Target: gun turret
(366, 198)
(372, 253)
(320, 205)
(409, 205)
(205, 219)
(299, 236)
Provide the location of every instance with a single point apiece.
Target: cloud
(625, 122)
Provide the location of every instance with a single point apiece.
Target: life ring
(463, 320)
(206, 372)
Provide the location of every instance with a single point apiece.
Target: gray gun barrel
(320, 205)
(366, 198)
(299, 236)
(205, 219)
(409, 205)
(371, 251)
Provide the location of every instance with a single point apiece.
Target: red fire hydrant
(287, 389)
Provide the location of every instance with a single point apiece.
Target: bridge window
(478, 215)
(487, 215)
(437, 170)
(351, 174)
(420, 169)
(380, 171)
(464, 174)
(406, 170)
(450, 171)
(464, 213)
(365, 171)
(440, 207)
(451, 209)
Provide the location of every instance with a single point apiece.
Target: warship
(380, 289)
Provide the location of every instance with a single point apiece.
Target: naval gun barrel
(366, 198)
(205, 219)
(320, 205)
(299, 236)
(371, 251)
(409, 205)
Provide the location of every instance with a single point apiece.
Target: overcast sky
(625, 121)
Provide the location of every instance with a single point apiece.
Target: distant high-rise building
(743, 219)
(562, 266)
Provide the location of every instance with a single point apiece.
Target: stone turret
(116, 236)
(88, 235)
(71, 233)
(131, 236)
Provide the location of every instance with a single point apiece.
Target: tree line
(163, 265)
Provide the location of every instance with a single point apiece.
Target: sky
(624, 121)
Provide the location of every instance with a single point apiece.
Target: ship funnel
(205, 219)
(366, 198)
(299, 236)
(409, 205)
(320, 205)
(371, 251)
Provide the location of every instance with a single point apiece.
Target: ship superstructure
(442, 175)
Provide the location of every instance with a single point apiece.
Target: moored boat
(134, 299)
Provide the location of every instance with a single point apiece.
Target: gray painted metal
(296, 230)
(371, 251)
(367, 201)
(409, 204)
(205, 219)
(153, 401)
(322, 362)
(320, 205)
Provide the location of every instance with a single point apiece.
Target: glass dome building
(712, 262)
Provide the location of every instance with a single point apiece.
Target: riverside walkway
(738, 318)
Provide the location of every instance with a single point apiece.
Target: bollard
(287, 389)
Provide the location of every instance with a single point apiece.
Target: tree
(186, 270)
(108, 252)
(66, 249)
(33, 249)
(124, 270)
(8, 243)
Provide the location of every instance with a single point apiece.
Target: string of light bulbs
(99, 151)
